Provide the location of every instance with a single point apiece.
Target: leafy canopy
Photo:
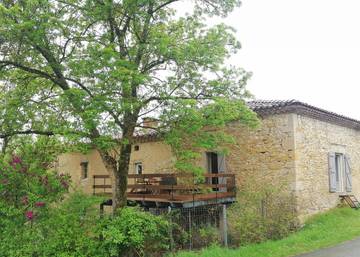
(89, 71)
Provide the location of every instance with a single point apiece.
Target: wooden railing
(176, 188)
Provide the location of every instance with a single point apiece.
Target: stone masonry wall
(314, 139)
(264, 155)
(287, 150)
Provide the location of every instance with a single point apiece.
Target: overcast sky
(307, 50)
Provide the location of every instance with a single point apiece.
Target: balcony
(176, 190)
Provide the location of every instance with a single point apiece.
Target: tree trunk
(118, 171)
(5, 145)
(121, 178)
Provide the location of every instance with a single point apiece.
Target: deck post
(223, 225)
(190, 229)
(171, 230)
(94, 185)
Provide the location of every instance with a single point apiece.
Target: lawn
(321, 231)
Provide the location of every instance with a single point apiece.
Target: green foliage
(75, 228)
(193, 129)
(208, 235)
(86, 72)
(261, 213)
(135, 233)
(97, 65)
(27, 189)
(67, 229)
(38, 219)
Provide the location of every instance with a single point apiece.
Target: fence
(195, 227)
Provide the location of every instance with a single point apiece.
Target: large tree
(89, 70)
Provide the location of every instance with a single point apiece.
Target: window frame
(84, 170)
(136, 165)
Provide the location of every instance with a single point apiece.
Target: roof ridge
(269, 107)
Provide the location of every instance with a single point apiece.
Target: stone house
(313, 153)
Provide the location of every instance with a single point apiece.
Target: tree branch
(27, 132)
(28, 69)
(163, 5)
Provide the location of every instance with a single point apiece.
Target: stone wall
(264, 155)
(154, 156)
(314, 139)
(287, 150)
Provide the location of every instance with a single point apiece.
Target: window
(339, 173)
(212, 162)
(138, 168)
(215, 165)
(84, 170)
(212, 165)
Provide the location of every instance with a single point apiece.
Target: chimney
(149, 122)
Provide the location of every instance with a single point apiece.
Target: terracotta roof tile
(270, 107)
(151, 136)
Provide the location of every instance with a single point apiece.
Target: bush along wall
(262, 212)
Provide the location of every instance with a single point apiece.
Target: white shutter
(348, 179)
(332, 173)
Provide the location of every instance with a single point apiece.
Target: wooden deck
(173, 189)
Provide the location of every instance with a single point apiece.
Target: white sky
(307, 50)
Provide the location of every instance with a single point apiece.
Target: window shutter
(348, 181)
(332, 173)
(221, 169)
(221, 163)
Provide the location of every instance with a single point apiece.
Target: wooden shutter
(221, 163)
(332, 173)
(208, 162)
(221, 169)
(348, 178)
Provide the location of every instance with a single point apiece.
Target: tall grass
(321, 231)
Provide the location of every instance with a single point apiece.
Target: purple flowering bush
(38, 217)
(28, 189)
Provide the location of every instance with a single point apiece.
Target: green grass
(321, 231)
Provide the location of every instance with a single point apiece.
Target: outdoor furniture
(167, 181)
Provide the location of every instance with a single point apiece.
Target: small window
(84, 170)
(138, 168)
(136, 147)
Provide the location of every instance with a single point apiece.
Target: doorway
(213, 166)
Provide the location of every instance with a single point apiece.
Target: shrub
(135, 233)
(260, 213)
(74, 228)
(27, 191)
(67, 229)
(208, 235)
